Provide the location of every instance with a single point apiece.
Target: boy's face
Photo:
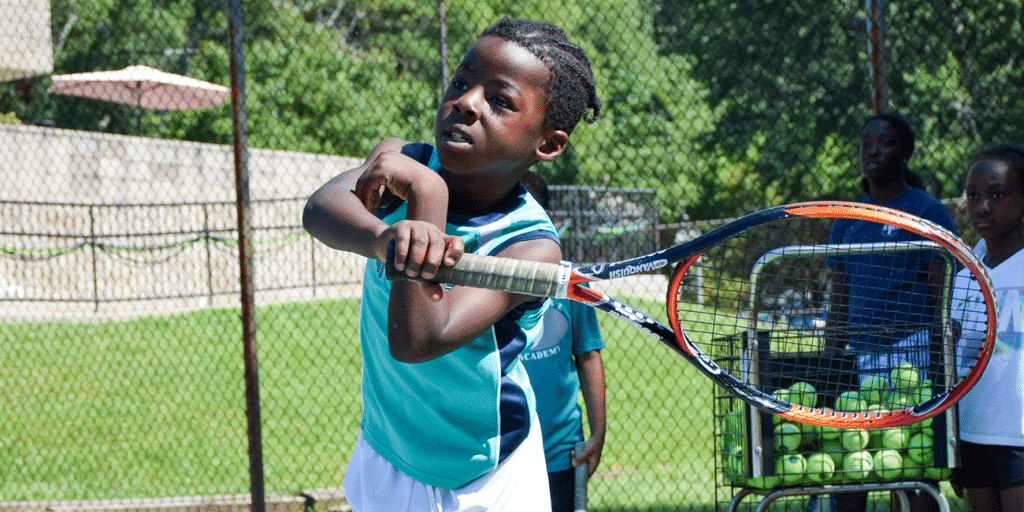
(491, 117)
(995, 201)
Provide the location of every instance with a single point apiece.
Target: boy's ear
(552, 145)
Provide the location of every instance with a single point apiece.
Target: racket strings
(847, 327)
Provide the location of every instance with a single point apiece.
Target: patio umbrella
(143, 87)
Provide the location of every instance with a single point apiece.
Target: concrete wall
(94, 225)
(54, 165)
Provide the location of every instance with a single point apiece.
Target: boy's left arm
(426, 321)
(590, 367)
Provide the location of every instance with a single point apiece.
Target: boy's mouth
(459, 137)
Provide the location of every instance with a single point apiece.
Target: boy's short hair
(571, 90)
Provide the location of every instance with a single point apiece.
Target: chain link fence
(123, 381)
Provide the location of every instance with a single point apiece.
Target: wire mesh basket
(760, 451)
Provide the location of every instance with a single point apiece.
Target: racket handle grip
(580, 491)
(526, 277)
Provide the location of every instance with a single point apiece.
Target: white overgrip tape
(564, 276)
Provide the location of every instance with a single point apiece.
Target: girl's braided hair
(1010, 154)
(571, 90)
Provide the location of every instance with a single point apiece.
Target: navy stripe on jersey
(514, 410)
(504, 207)
(515, 417)
(526, 236)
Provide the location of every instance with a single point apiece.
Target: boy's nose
(468, 103)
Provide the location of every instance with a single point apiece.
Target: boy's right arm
(335, 216)
(341, 212)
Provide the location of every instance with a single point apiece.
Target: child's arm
(341, 212)
(590, 368)
(425, 322)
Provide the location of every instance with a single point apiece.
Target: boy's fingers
(434, 257)
(419, 243)
(454, 249)
(401, 246)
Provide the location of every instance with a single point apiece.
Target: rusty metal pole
(876, 55)
(442, 18)
(241, 156)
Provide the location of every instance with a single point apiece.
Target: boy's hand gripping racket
(766, 308)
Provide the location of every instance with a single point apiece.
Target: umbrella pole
(138, 106)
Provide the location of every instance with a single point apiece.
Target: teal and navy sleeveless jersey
(447, 421)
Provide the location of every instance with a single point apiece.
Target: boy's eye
(501, 102)
(972, 195)
(458, 84)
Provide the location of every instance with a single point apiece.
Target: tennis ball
(732, 422)
(905, 376)
(803, 393)
(732, 429)
(894, 400)
(764, 482)
(792, 467)
(938, 473)
(919, 449)
(895, 438)
(834, 449)
(850, 401)
(875, 435)
(787, 437)
(854, 439)
(923, 390)
(857, 465)
(888, 463)
(876, 409)
(783, 394)
(911, 472)
(810, 433)
(873, 388)
(820, 467)
(733, 463)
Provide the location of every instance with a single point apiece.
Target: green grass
(155, 407)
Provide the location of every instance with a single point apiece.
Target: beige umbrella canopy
(143, 87)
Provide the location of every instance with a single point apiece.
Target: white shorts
(519, 483)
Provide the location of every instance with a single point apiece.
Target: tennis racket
(772, 312)
(581, 476)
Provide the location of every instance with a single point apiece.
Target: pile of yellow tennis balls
(808, 455)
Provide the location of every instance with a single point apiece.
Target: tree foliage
(790, 81)
(721, 106)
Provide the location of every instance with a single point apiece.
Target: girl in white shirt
(992, 413)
